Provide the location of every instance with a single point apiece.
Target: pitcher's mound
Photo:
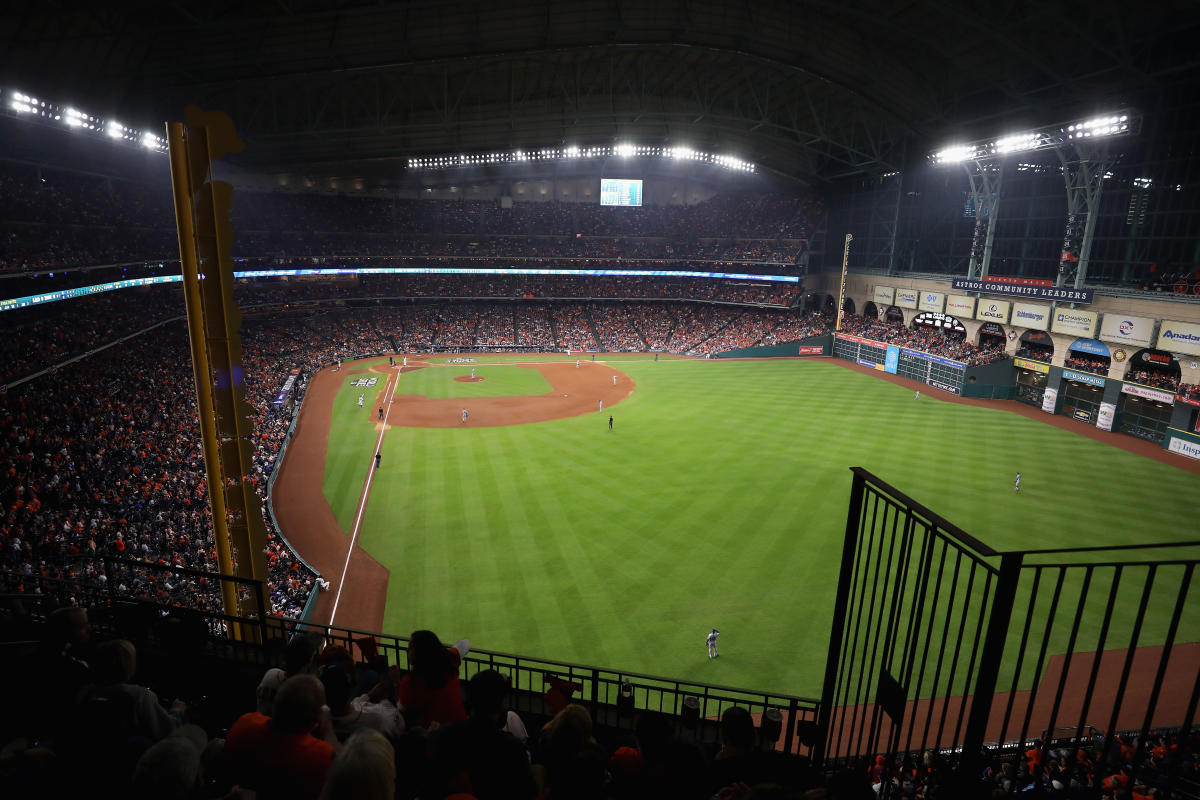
(465, 379)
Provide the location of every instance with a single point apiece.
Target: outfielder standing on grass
(1017, 487)
(711, 641)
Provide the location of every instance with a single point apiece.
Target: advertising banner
(932, 301)
(864, 363)
(1105, 420)
(1049, 400)
(1031, 316)
(1031, 365)
(1148, 393)
(1035, 292)
(907, 298)
(1127, 330)
(960, 306)
(1179, 337)
(811, 350)
(1080, 323)
(1184, 447)
(1092, 346)
(1180, 398)
(893, 359)
(993, 310)
(945, 387)
(884, 296)
(860, 340)
(930, 357)
(286, 389)
(1082, 377)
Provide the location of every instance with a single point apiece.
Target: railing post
(989, 661)
(789, 726)
(837, 627)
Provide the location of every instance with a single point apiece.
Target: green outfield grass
(719, 499)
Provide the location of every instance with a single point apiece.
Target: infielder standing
(464, 416)
(360, 401)
(614, 380)
(711, 641)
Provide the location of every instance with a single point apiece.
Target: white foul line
(362, 502)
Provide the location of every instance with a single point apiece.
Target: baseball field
(717, 499)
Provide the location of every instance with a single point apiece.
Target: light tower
(1083, 148)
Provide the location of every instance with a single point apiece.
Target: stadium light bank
(1103, 127)
(25, 106)
(623, 150)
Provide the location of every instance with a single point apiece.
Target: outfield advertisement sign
(907, 298)
(1105, 419)
(993, 311)
(286, 389)
(945, 387)
(860, 340)
(884, 296)
(1082, 377)
(810, 350)
(1179, 337)
(1181, 399)
(931, 301)
(930, 357)
(1091, 346)
(960, 306)
(1080, 323)
(1184, 447)
(1029, 315)
(1031, 365)
(1036, 292)
(1148, 393)
(1127, 330)
(892, 359)
(1049, 400)
(864, 363)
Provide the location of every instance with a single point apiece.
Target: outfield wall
(812, 346)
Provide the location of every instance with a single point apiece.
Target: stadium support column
(1084, 176)
(985, 181)
(202, 208)
(842, 290)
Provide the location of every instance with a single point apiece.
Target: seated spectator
(738, 760)
(365, 769)
(372, 710)
(173, 769)
(478, 755)
(298, 658)
(131, 708)
(287, 755)
(569, 762)
(431, 693)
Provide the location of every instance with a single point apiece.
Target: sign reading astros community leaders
(1037, 292)
(1179, 337)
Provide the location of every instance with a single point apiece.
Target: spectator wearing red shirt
(431, 693)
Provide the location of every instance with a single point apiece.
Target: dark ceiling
(812, 90)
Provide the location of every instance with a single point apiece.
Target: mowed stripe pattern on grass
(718, 500)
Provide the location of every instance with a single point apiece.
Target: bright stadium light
(624, 150)
(574, 151)
(954, 154)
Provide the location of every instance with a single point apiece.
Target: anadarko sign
(1179, 337)
(1037, 292)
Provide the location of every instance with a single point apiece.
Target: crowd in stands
(1035, 352)
(51, 218)
(936, 341)
(325, 726)
(1155, 378)
(1189, 390)
(1085, 363)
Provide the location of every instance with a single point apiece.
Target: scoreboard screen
(620, 192)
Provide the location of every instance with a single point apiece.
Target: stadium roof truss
(814, 89)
